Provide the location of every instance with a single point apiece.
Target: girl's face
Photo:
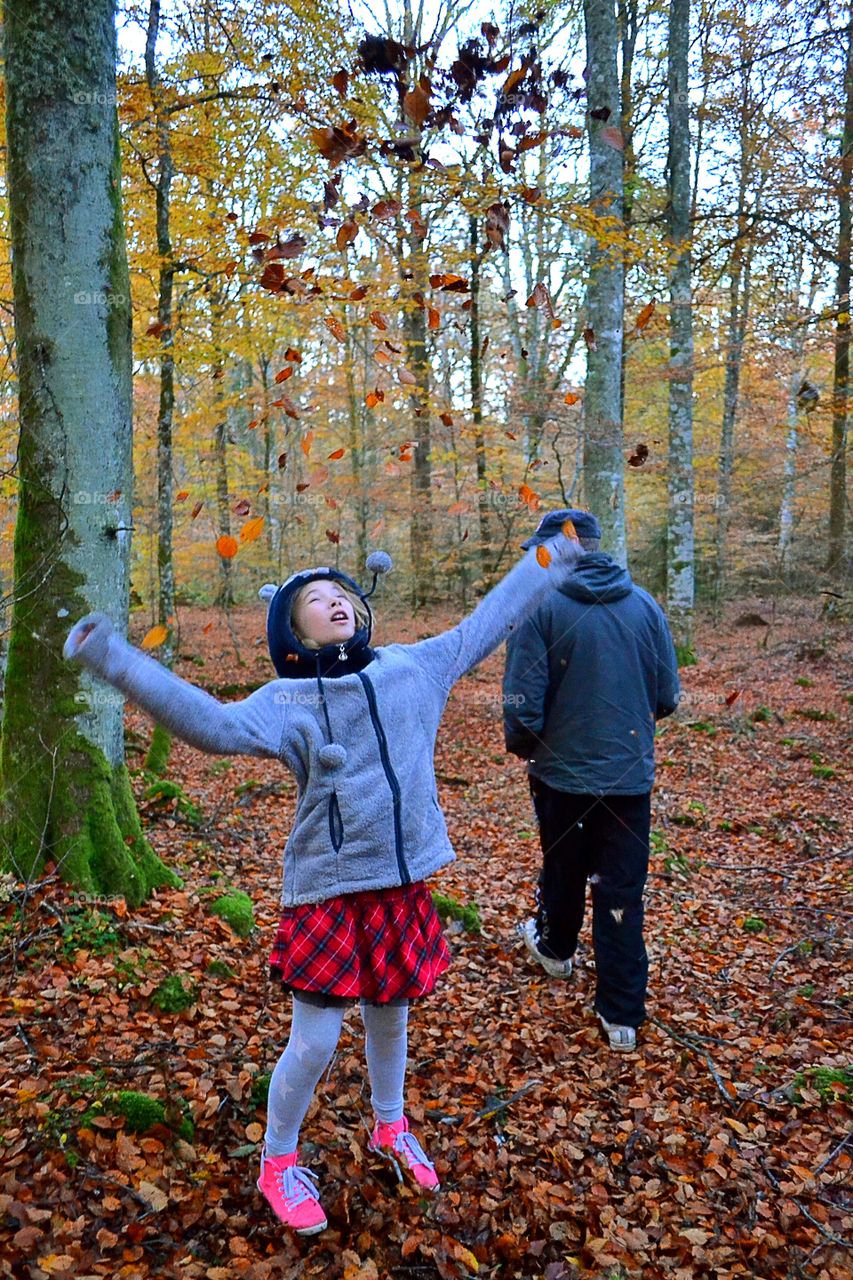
(323, 613)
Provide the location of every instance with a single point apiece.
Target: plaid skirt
(379, 945)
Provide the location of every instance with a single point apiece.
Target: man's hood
(598, 579)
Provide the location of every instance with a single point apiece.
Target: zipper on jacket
(370, 693)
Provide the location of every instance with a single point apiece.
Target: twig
(781, 956)
(487, 1112)
(844, 1244)
(22, 1036)
(836, 1151)
(697, 1048)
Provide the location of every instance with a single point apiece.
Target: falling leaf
(338, 453)
(418, 225)
(731, 698)
(336, 329)
(154, 637)
(284, 374)
(447, 419)
(457, 509)
(180, 497)
(645, 316)
(416, 103)
(229, 269)
(543, 556)
(392, 469)
(638, 457)
(347, 233)
(407, 378)
(306, 442)
(589, 339)
(282, 461)
(541, 298)
(613, 136)
(600, 113)
(332, 536)
(448, 281)
(497, 223)
(535, 140)
(528, 496)
(259, 237)
(251, 530)
(385, 210)
(514, 78)
(434, 321)
(373, 398)
(293, 355)
(569, 530)
(510, 435)
(571, 397)
(340, 81)
(337, 144)
(198, 506)
(381, 357)
(376, 318)
(242, 508)
(531, 194)
(155, 329)
(358, 293)
(226, 546)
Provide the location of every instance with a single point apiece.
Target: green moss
(832, 1083)
(754, 924)
(164, 791)
(141, 1112)
(761, 715)
(172, 996)
(237, 910)
(450, 909)
(260, 1090)
(158, 752)
(685, 655)
(814, 713)
(219, 969)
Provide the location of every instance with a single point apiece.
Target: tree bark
(841, 373)
(680, 588)
(158, 752)
(476, 375)
(603, 444)
(65, 788)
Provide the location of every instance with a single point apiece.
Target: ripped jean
(603, 840)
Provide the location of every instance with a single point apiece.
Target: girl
(357, 727)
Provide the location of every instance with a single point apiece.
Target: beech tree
(65, 788)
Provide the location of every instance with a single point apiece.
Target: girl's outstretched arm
(448, 656)
(254, 726)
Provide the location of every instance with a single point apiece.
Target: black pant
(603, 839)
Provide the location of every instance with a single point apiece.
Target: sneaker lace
(406, 1144)
(297, 1184)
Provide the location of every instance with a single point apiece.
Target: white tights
(314, 1033)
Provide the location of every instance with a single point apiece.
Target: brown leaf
(416, 102)
(434, 321)
(332, 536)
(284, 374)
(531, 194)
(336, 329)
(613, 136)
(293, 355)
(347, 233)
(340, 81)
(376, 318)
(385, 210)
(589, 339)
(645, 316)
(337, 144)
(638, 457)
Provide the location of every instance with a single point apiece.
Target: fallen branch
(695, 1047)
(835, 1152)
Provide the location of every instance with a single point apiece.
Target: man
(587, 676)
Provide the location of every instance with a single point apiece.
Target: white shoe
(529, 936)
(623, 1039)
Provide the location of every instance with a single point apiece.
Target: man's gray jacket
(587, 675)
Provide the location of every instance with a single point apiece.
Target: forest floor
(722, 1147)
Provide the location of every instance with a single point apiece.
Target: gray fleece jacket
(367, 814)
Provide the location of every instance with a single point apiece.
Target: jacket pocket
(336, 825)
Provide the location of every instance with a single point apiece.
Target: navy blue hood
(598, 579)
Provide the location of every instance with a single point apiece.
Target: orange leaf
(377, 318)
(416, 103)
(284, 374)
(510, 435)
(514, 78)
(336, 329)
(434, 318)
(251, 530)
(571, 397)
(226, 546)
(570, 531)
(645, 316)
(154, 637)
(340, 80)
(358, 293)
(543, 556)
(447, 419)
(457, 508)
(293, 355)
(534, 140)
(198, 506)
(373, 398)
(307, 442)
(179, 497)
(338, 453)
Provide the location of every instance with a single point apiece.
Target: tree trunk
(476, 372)
(415, 328)
(65, 788)
(628, 30)
(841, 373)
(792, 439)
(603, 445)
(680, 524)
(158, 752)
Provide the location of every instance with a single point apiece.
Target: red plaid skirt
(380, 944)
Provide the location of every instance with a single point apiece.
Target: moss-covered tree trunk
(65, 790)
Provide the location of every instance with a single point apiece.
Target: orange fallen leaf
(306, 442)
(543, 556)
(226, 546)
(154, 637)
(251, 530)
(338, 453)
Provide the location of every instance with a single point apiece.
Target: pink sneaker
(405, 1146)
(289, 1188)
